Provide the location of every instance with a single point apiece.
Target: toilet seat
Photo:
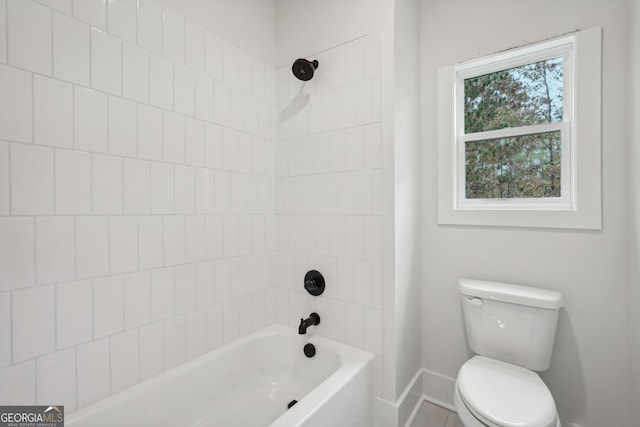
(500, 394)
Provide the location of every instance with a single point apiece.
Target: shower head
(304, 69)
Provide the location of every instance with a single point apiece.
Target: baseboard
(410, 400)
(438, 389)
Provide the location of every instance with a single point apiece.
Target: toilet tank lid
(516, 294)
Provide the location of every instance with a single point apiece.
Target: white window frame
(579, 205)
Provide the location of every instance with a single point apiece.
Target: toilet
(512, 330)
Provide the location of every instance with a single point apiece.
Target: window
(519, 136)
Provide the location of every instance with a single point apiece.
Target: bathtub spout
(313, 319)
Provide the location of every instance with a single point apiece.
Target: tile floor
(431, 415)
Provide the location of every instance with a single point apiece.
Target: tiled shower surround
(149, 213)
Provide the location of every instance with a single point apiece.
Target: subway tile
(204, 284)
(230, 236)
(33, 322)
(355, 325)
(372, 55)
(3, 31)
(185, 288)
(73, 182)
(377, 99)
(353, 149)
(214, 327)
(92, 246)
(71, 49)
(29, 36)
(230, 157)
(135, 73)
(106, 185)
(174, 240)
(330, 110)
(371, 144)
(194, 45)
(173, 142)
(122, 127)
(229, 63)
(122, 19)
(150, 25)
(123, 244)
(270, 84)
(196, 334)
(346, 193)
(136, 186)
(16, 108)
(106, 62)
(53, 112)
(372, 238)
(371, 336)
(149, 132)
(245, 71)
(55, 249)
(355, 60)
(93, 371)
(31, 180)
(237, 190)
(346, 106)
(22, 377)
(173, 35)
(252, 115)
(90, 121)
(204, 191)
(345, 279)
(282, 83)
(238, 318)
(124, 360)
(56, 379)
(221, 283)
(184, 90)
(162, 293)
(74, 313)
(108, 309)
(161, 196)
(338, 66)
(92, 12)
(222, 192)
(204, 97)
(161, 82)
(185, 186)
(196, 238)
(363, 271)
(194, 142)
(338, 317)
(338, 236)
(150, 241)
(258, 156)
(63, 6)
(364, 102)
(17, 252)
(258, 77)
(213, 55)
(215, 230)
(175, 335)
(137, 299)
(151, 350)
(237, 109)
(5, 328)
(364, 193)
(221, 103)
(322, 75)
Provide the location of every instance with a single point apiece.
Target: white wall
(249, 24)
(591, 371)
(137, 196)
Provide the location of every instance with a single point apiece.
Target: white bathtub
(248, 383)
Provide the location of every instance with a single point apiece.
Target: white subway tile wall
(137, 196)
(328, 156)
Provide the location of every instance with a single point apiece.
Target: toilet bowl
(497, 394)
(511, 329)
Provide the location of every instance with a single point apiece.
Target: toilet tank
(512, 323)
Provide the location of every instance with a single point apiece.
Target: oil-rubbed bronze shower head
(304, 69)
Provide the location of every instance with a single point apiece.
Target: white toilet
(512, 330)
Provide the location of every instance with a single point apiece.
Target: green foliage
(527, 166)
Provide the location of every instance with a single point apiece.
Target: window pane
(525, 166)
(521, 96)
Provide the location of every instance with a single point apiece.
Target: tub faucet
(313, 319)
